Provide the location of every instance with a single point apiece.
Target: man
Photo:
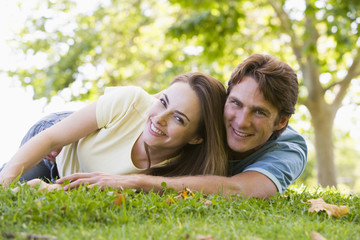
(266, 155)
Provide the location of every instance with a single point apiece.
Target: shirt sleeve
(282, 166)
(115, 103)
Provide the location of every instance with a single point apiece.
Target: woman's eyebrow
(178, 112)
(166, 98)
(182, 114)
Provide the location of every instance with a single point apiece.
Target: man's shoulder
(292, 137)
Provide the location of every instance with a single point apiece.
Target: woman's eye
(179, 119)
(163, 102)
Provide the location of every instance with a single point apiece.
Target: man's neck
(239, 155)
(242, 155)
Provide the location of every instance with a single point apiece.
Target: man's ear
(282, 123)
(196, 140)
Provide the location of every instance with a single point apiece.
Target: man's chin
(236, 147)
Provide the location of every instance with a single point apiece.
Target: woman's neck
(141, 153)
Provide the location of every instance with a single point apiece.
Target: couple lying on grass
(194, 134)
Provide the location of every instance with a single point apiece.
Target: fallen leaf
(317, 236)
(202, 237)
(332, 210)
(186, 192)
(207, 202)
(120, 199)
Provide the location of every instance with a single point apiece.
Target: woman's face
(174, 118)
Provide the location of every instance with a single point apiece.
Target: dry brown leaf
(317, 236)
(332, 210)
(186, 192)
(207, 202)
(120, 199)
(202, 237)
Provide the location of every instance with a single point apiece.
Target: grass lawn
(94, 214)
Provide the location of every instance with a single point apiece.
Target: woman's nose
(161, 118)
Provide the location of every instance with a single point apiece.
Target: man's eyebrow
(265, 110)
(233, 98)
(254, 108)
(178, 112)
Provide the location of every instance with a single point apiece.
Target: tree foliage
(148, 42)
(118, 43)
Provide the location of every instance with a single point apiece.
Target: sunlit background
(19, 110)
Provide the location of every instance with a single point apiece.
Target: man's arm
(247, 184)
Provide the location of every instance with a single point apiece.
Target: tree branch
(311, 65)
(305, 51)
(333, 85)
(286, 24)
(344, 84)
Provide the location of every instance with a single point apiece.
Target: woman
(179, 132)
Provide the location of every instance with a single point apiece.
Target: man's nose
(243, 118)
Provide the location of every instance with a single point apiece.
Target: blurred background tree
(77, 52)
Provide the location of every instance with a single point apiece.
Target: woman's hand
(97, 178)
(43, 185)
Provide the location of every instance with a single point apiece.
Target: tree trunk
(322, 120)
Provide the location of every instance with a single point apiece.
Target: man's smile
(241, 134)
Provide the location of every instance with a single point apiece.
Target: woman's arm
(71, 129)
(246, 184)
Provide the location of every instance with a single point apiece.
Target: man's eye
(262, 113)
(236, 103)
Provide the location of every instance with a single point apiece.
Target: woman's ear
(196, 140)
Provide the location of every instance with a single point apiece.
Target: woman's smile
(156, 130)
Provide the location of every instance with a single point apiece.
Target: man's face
(249, 118)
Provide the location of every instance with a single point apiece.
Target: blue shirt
(281, 160)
